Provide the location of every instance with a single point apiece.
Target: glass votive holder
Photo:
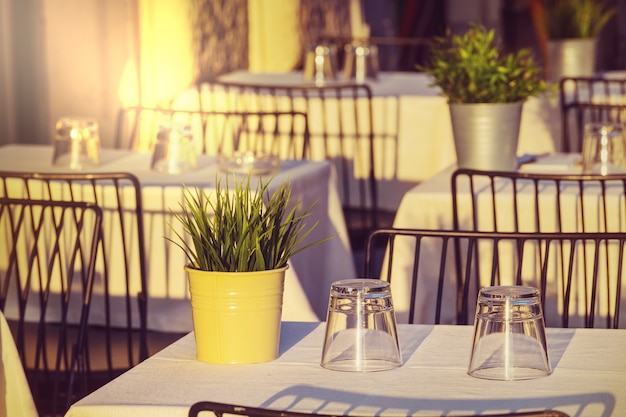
(174, 151)
(361, 62)
(361, 333)
(248, 153)
(320, 64)
(509, 335)
(76, 143)
(604, 149)
(248, 162)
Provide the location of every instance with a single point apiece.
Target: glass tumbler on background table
(361, 330)
(604, 149)
(76, 143)
(245, 149)
(509, 335)
(320, 64)
(361, 62)
(174, 151)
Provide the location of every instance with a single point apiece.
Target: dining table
(413, 137)
(429, 205)
(588, 379)
(310, 273)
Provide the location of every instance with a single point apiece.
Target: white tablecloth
(412, 127)
(311, 272)
(589, 379)
(14, 390)
(429, 206)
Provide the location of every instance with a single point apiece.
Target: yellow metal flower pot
(236, 315)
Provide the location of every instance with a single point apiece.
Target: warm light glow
(274, 45)
(165, 54)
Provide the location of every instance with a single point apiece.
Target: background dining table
(429, 206)
(308, 279)
(588, 379)
(413, 131)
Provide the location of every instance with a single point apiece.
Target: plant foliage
(576, 18)
(242, 229)
(470, 68)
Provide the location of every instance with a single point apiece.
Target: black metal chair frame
(257, 124)
(589, 99)
(536, 181)
(136, 351)
(58, 355)
(463, 248)
(362, 213)
(219, 409)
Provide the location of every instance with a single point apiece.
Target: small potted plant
(572, 29)
(238, 241)
(485, 89)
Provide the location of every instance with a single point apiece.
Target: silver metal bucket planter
(571, 58)
(486, 135)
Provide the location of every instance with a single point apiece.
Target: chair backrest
(47, 262)
(586, 99)
(341, 131)
(537, 202)
(219, 409)
(120, 291)
(283, 133)
(579, 274)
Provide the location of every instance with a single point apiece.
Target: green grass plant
(242, 229)
(567, 19)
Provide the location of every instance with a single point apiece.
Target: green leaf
(243, 228)
(471, 69)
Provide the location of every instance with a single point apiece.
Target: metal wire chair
(340, 118)
(587, 99)
(219, 409)
(117, 338)
(282, 133)
(48, 259)
(449, 267)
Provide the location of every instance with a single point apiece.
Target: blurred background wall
(89, 57)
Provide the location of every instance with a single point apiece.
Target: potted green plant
(238, 241)
(485, 89)
(572, 29)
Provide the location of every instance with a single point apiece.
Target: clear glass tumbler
(361, 330)
(320, 64)
(604, 149)
(174, 151)
(509, 335)
(361, 62)
(76, 143)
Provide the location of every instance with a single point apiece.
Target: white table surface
(429, 206)
(589, 379)
(307, 281)
(412, 126)
(17, 399)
